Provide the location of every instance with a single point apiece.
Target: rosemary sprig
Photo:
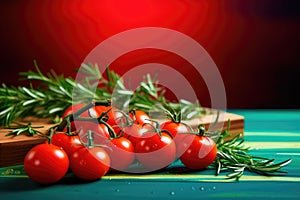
(233, 156)
(147, 95)
(26, 129)
(19, 102)
(55, 93)
(49, 100)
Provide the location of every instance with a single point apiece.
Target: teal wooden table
(271, 133)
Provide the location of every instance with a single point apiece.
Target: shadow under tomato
(18, 184)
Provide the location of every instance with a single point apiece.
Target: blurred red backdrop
(255, 43)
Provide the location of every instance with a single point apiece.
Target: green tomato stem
(90, 137)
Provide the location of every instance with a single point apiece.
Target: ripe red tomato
(135, 132)
(101, 133)
(139, 117)
(121, 153)
(115, 117)
(199, 151)
(67, 142)
(175, 127)
(70, 110)
(73, 108)
(178, 131)
(90, 163)
(46, 163)
(155, 152)
(111, 112)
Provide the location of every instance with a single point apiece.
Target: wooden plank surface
(14, 148)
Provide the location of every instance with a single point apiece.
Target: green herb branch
(55, 93)
(26, 129)
(234, 157)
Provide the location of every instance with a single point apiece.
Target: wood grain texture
(13, 149)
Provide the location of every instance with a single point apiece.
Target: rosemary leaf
(234, 157)
(55, 93)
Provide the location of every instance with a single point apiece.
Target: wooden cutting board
(14, 148)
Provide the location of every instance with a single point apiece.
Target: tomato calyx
(122, 121)
(201, 130)
(125, 120)
(156, 128)
(100, 118)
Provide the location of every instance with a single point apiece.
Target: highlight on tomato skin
(139, 117)
(182, 142)
(69, 143)
(100, 131)
(135, 132)
(121, 152)
(46, 163)
(113, 114)
(175, 127)
(155, 152)
(72, 109)
(90, 164)
(198, 151)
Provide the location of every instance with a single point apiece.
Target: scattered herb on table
(234, 157)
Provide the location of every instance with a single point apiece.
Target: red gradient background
(255, 43)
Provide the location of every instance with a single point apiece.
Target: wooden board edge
(14, 153)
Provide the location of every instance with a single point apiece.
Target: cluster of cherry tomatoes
(131, 143)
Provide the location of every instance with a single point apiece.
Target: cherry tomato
(67, 142)
(111, 112)
(73, 108)
(70, 110)
(178, 141)
(101, 133)
(199, 151)
(121, 153)
(90, 163)
(115, 117)
(173, 128)
(46, 163)
(135, 132)
(178, 131)
(139, 117)
(155, 152)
